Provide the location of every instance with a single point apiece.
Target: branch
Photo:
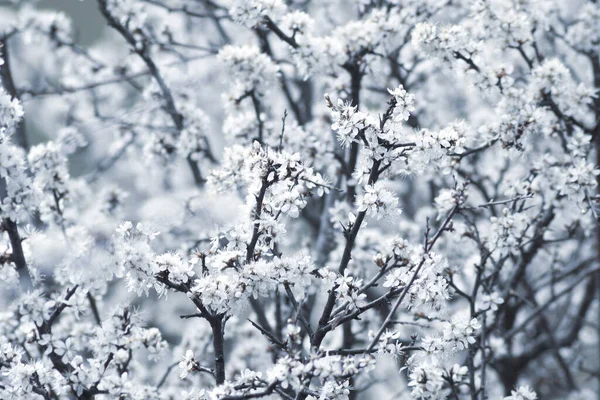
(428, 245)
(275, 29)
(170, 107)
(298, 309)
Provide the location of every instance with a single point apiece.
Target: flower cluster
(251, 12)
(582, 34)
(384, 138)
(445, 43)
(277, 184)
(522, 393)
(437, 148)
(11, 112)
(252, 72)
(552, 78)
(52, 26)
(352, 41)
(427, 381)
(378, 201)
(21, 196)
(491, 301)
(457, 335)
(192, 141)
(348, 122)
(226, 288)
(282, 269)
(349, 291)
(135, 258)
(447, 199)
(403, 103)
(48, 161)
(513, 26)
(429, 286)
(508, 230)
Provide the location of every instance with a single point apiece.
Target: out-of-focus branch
(170, 106)
(8, 225)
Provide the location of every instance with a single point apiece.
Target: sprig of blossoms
(187, 364)
(429, 286)
(226, 288)
(276, 183)
(522, 393)
(252, 71)
(378, 201)
(135, 258)
(426, 381)
(444, 42)
(11, 111)
(403, 103)
(251, 12)
(21, 195)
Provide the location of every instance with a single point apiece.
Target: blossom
(395, 278)
(389, 343)
(378, 201)
(347, 121)
(491, 301)
(507, 230)
(187, 364)
(178, 270)
(459, 332)
(11, 111)
(268, 276)
(297, 22)
(446, 200)
(443, 42)
(458, 373)
(8, 274)
(403, 103)
(457, 335)
(426, 381)
(250, 12)
(252, 71)
(522, 393)
(348, 291)
(192, 141)
(581, 34)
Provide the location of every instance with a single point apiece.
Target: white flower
(426, 381)
(457, 373)
(491, 301)
(378, 201)
(187, 364)
(347, 121)
(396, 278)
(251, 70)
(179, 270)
(11, 111)
(522, 393)
(250, 12)
(403, 103)
(297, 22)
(445, 201)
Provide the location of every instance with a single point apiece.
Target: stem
(217, 324)
(355, 82)
(257, 211)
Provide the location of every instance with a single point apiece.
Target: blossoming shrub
(341, 199)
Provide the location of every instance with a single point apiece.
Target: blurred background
(86, 17)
